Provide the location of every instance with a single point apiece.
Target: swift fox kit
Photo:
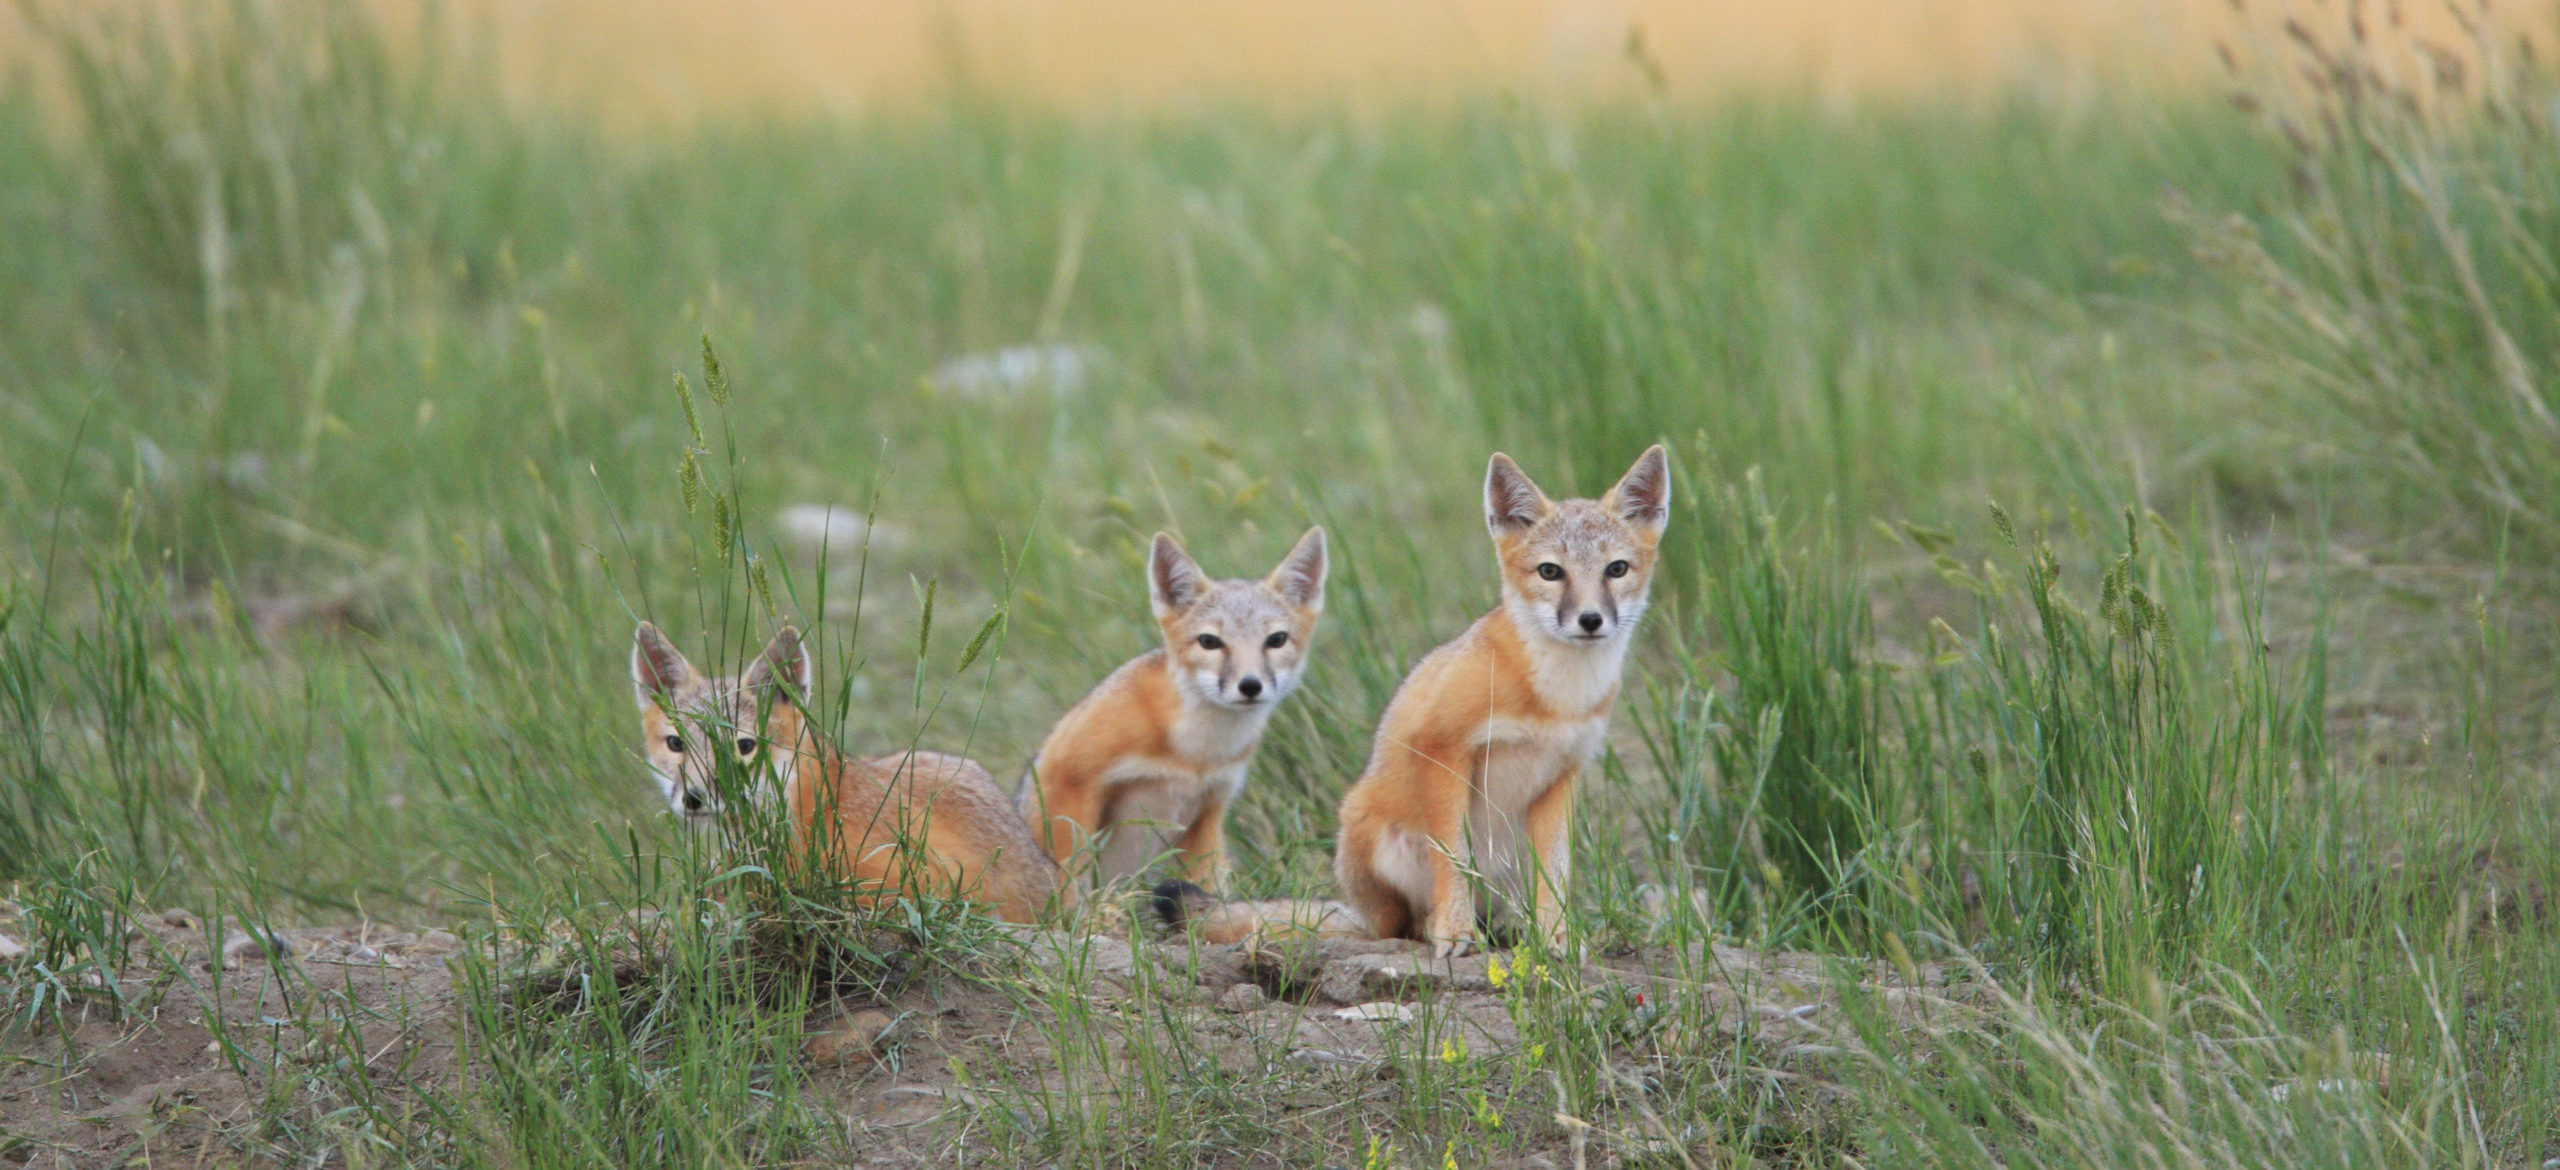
(1150, 759)
(1476, 755)
(894, 824)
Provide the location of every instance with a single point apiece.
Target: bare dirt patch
(206, 1055)
(181, 1067)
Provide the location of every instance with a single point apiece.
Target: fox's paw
(1454, 947)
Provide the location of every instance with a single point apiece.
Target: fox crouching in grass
(1474, 766)
(1148, 762)
(892, 826)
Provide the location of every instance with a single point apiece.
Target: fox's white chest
(1208, 750)
(1208, 737)
(1575, 678)
(1522, 759)
(1520, 762)
(1155, 798)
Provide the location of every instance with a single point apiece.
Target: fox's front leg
(1452, 924)
(1550, 825)
(1204, 846)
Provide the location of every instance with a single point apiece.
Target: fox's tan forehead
(1237, 604)
(703, 696)
(1581, 530)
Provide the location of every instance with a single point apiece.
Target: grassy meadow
(2113, 568)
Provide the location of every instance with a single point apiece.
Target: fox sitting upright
(914, 822)
(1149, 761)
(1476, 756)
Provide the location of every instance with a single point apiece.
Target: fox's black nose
(1250, 686)
(1590, 622)
(693, 800)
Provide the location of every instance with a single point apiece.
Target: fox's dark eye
(1551, 571)
(675, 743)
(746, 746)
(1211, 642)
(1276, 641)
(1616, 569)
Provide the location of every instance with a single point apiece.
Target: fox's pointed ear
(1300, 578)
(1643, 497)
(1174, 580)
(1511, 502)
(656, 667)
(785, 660)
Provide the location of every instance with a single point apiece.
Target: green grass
(2207, 745)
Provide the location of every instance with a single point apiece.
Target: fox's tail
(1183, 904)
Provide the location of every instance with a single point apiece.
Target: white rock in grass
(155, 463)
(1428, 321)
(245, 472)
(835, 530)
(1328, 1056)
(1010, 373)
(1381, 1011)
(2282, 1093)
(11, 949)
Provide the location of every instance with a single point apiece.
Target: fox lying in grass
(914, 822)
(1473, 769)
(1149, 761)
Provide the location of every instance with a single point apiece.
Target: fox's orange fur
(1476, 758)
(1148, 762)
(893, 825)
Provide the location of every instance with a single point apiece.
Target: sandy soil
(159, 1084)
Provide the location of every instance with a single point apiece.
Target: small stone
(1362, 978)
(1016, 371)
(1112, 959)
(11, 949)
(1244, 997)
(176, 918)
(1381, 1011)
(1327, 1056)
(854, 1036)
(439, 940)
(836, 530)
(1084, 956)
(250, 945)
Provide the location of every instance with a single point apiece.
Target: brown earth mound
(207, 1028)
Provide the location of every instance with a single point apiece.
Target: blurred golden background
(656, 62)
